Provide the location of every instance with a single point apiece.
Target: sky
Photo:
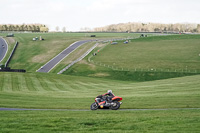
(78, 14)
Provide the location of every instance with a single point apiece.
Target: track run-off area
(53, 62)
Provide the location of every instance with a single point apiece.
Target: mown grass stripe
(7, 85)
(88, 86)
(59, 85)
(36, 84)
(15, 82)
(50, 85)
(29, 83)
(73, 86)
(1, 81)
(65, 85)
(22, 82)
(44, 84)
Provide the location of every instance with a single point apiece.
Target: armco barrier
(12, 70)
(77, 60)
(8, 61)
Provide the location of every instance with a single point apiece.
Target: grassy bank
(157, 52)
(144, 59)
(38, 90)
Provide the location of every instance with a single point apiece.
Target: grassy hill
(151, 58)
(38, 90)
(31, 55)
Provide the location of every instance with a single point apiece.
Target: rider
(106, 97)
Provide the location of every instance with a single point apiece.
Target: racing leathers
(105, 97)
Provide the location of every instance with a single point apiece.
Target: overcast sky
(76, 14)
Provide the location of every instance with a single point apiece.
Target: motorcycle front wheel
(94, 106)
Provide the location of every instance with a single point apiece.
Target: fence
(179, 70)
(8, 61)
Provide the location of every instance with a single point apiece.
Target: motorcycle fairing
(117, 98)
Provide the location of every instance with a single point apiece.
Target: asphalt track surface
(3, 48)
(23, 109)
(53, 62)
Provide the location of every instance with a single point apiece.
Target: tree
(44, 29)
(4, 27)
(64, 29)
(198, 28)
(57, 28)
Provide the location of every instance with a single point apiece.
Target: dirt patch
(100, 45)
(92, 66)
(99, 75)
(10, 40)
(42, 58)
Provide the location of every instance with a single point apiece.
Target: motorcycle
(113, 104)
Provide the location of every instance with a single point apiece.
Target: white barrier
(77, 60)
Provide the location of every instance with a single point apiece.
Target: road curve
(3, 48)
(18, 109)
(53, 62)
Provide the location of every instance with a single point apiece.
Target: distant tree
(4, 27)
(198, 28)
(156, 29)
(37, 28)
(30, 28)
(64, 29)
(57, 28)
(10, 28)
(44, 29)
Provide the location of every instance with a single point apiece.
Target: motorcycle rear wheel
(115, 105)
(94, 106)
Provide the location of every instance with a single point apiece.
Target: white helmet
(109, 91)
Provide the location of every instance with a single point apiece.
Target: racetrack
(3, 48)
(53, 62)
(18, 109)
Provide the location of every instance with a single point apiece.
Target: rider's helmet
(109, 91)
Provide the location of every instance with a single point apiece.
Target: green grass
(38, 90)
(144, 59)
(168, 52)
(31, 55)
(51, 91)
(172, 121)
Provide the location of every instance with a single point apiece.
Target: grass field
(38, 90)
(157, 52)
(151, 58)
(173, 121)
(50, 91)
(76, 88)
(31, 55)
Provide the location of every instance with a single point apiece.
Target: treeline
(24, 27)
(150, 27)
